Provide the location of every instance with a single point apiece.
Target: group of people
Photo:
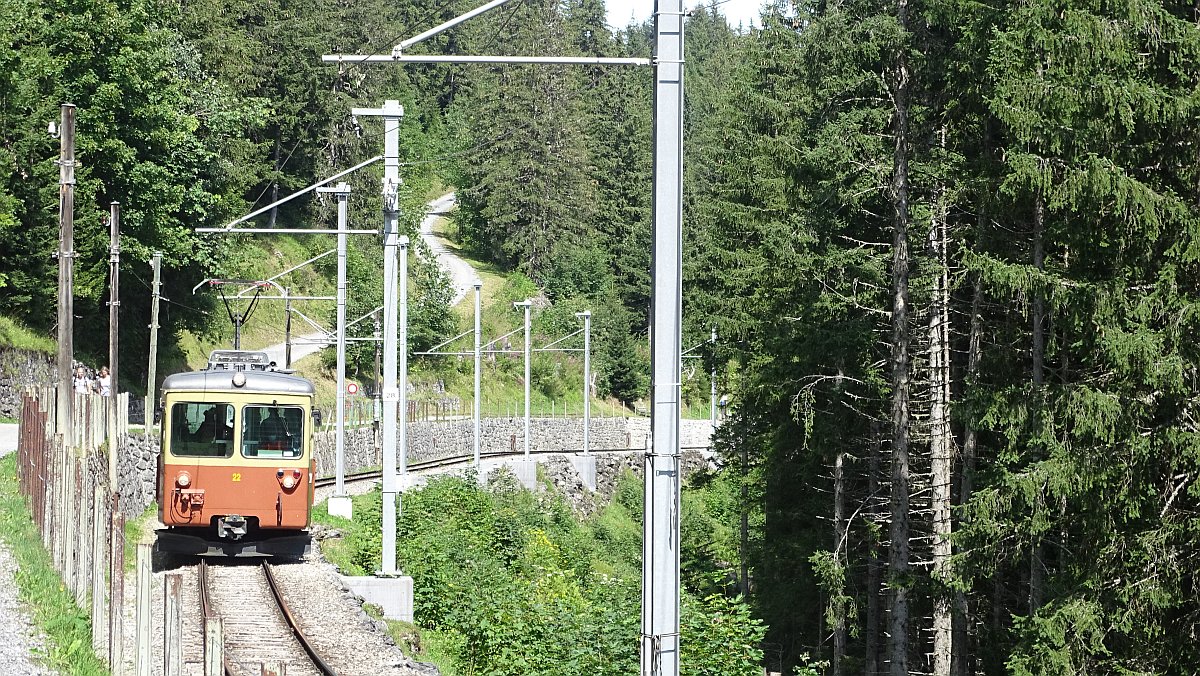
(101, 384)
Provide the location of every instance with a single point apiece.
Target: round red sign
(352, 388)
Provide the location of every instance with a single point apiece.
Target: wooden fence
(75, 507)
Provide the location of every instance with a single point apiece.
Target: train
(235, 471)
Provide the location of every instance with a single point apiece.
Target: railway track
(259, 627)
(449, 461)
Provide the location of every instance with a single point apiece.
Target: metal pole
(66, 261)
(114, 302)
(526, 304)
(392, 112)
(155, 287)
(478, 364)
(660, 558)
(377, 403)
(712, 379)
(587, 376)
(402, 445)
(342, 191)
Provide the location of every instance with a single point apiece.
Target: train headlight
(183, 479)
(288, 479)
(239, 379)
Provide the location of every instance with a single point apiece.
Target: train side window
(272, 431)
(202, 430)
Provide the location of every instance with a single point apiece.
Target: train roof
(223, 365)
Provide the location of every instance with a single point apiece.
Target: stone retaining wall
(20, 369)
(137, 463)
(428, 440)
(137, 467)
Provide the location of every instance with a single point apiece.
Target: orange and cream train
(235, 475)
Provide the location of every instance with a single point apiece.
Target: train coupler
(231, 526)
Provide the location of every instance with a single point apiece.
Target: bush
(526, 588)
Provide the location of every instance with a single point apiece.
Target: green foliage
(13, 334)
(517, 584)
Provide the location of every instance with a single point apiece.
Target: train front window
(202, 430)
(272, 431)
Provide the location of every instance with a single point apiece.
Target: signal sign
(352, 388)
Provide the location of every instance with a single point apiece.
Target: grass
(14, 334)
(8, 421)
(135, 530)
(66, 627)
(422, 645)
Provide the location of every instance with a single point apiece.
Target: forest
(950, 249)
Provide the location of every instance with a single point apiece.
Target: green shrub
(514, 584)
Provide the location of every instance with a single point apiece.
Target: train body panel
(236, 464)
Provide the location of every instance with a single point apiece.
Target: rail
(291, 620)
(208, 612)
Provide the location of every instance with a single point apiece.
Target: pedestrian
(83, 384)
(104, 382)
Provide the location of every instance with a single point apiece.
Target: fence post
(214, 646)
(116, 595)
(83, 530)
(99, 565)
(142, 656)
(172, 626)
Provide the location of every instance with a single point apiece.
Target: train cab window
(202, 429)
(272, 431)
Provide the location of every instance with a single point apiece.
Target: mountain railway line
(259, 627)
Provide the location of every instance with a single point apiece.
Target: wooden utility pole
(155, 289)
(114, 302)
(66, 259)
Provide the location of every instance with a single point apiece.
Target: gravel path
(462, 275)
(19, 638)
(8, 438)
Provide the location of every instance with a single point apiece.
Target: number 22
(237, 476)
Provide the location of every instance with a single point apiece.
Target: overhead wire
(352, 67)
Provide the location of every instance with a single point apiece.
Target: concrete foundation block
(393, 594)
(340, 505)
(525, 471)
(585, 466)
(406, 482)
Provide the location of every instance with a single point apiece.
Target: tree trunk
(898, 559)
(941, 444)
(960, 664)
(274, 182)
(874, 562)
(839, 553)
(1036, 568)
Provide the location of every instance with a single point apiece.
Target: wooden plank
(116, 594)
(172, 626)
(100, 551)
(142, 656)
(214, 647)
